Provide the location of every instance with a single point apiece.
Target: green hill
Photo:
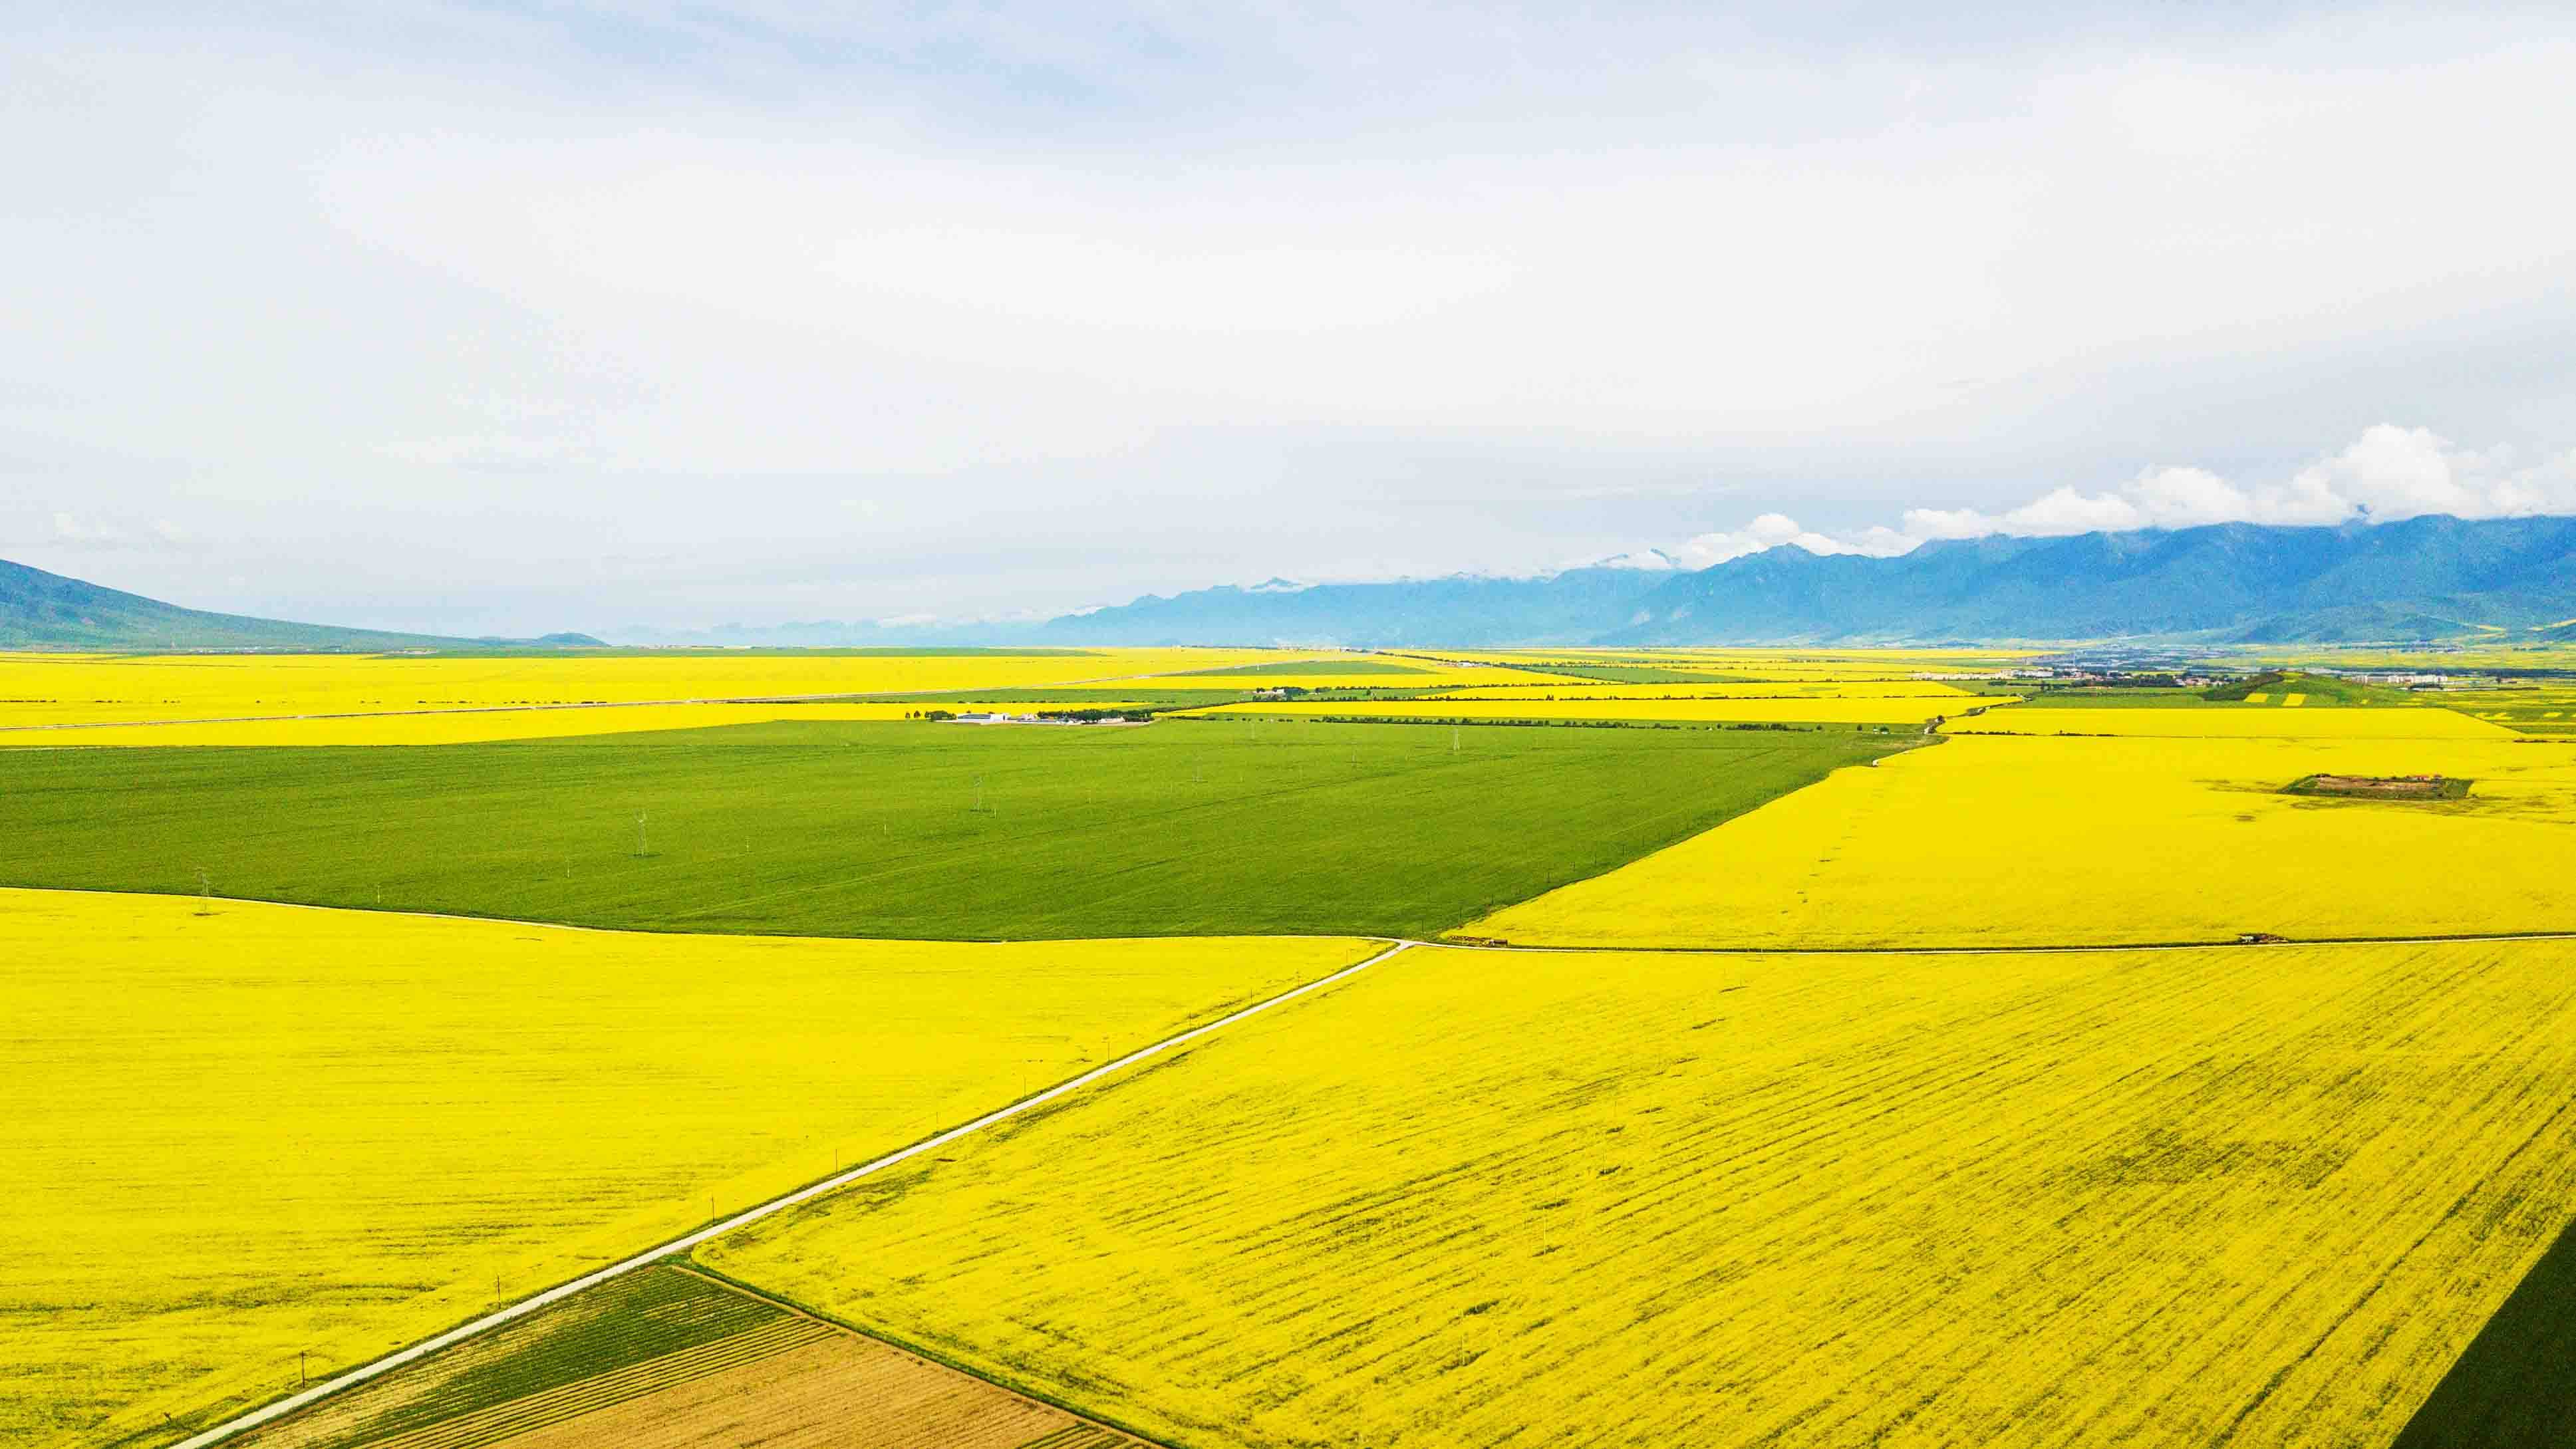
(39, 610)
(2315, 688)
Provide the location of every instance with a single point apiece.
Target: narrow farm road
(526, 1306)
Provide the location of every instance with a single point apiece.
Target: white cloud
(411, 323)
(1651, 560)
(1769, 531)
(1880, 541)
(2393, 472)
(1766, 532)
(2180, 497)
(2386, 474)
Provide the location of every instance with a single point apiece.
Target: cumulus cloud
(2387, 473)
(1767, 532)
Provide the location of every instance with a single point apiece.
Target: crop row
(2138, 1199)
(517, 1416)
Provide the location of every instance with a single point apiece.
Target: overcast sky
(506, 317)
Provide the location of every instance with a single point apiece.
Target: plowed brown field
(846, 1392)
(745, 1371)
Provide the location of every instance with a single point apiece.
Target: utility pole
(639, 835)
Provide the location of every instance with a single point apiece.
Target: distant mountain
(2418, 579)
(2422, 578)
(42, 610)
(1573, 607)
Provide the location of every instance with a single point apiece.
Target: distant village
(1049, 717)
(2112, 676)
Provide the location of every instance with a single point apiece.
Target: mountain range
(2418, 579)
(2429, 578)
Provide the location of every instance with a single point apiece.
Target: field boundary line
(1024, 1393)
(1533, 948)
(2000, 949)
(512, 1312)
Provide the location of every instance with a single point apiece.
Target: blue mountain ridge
(2421, 578)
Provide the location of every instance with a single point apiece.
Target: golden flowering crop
(239, 1136)
(70, 688)
(469, 726)
(1391, 671)
(2163, 1199)
(2000, 841)
(1761, 689)
(2225, 722)
(1775, 663)
(1912, 710)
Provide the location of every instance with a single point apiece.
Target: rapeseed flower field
(2179, 1198)
(1375, 671)
(484, 725)
(1768, 663)
(373, 1126)
(1758, 689)
(104, 689)
(1989, 840)
(1900, 710)
(2248, 721)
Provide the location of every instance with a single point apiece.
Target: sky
(595, 314)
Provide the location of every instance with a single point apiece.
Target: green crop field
(910, 830)
(624, 1322)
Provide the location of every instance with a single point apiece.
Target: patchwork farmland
(381, 1125)
(2059, 1200)
(1796, 1048)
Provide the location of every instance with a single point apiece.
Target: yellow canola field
(235, 1137)
(1770, 689)
(2018, 1202)
(1783, 663)
(455, 727)
(2222, 722)
(1909, 711)
(1390, 672)
(74, 688)
(2003, 841)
